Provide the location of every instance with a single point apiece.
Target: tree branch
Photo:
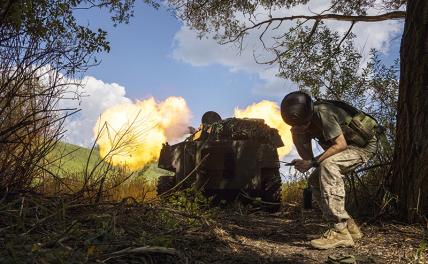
(346, 35)
(314, 28)
(377, 18)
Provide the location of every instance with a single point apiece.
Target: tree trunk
(410, 174)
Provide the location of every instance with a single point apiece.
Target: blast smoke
(270, 112)
(132, 134)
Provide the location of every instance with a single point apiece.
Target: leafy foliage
(326, 64)
(42, 50)
(232, 20)
(306, 50)
(329, 66)
(51, 25)
(189, 200)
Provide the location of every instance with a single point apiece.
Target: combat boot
(353, 229)
(333, 238)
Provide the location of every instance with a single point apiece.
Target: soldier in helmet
(348, 137)
(208, 118)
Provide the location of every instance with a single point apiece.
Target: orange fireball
(270, 112)
(132, 134)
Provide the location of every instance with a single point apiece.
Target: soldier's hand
(302, 165)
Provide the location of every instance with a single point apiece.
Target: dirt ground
(160, 233)
(284, 238)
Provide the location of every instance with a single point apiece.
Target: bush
(292, 191)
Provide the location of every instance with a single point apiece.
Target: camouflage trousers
(327, 183)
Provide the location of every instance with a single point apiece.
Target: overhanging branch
(377, 18)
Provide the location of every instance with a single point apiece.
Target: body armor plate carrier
(359, 127)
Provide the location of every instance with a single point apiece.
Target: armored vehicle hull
(229, 161)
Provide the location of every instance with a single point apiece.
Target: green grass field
(69, 159)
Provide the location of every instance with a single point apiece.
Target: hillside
(69, 159)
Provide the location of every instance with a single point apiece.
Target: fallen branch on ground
(145, 250)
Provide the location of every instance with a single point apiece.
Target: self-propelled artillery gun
(228, 159)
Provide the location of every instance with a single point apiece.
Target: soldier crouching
(348, 137)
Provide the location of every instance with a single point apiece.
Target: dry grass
(292, 191)
(36, 229)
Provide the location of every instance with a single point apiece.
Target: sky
(156, 55)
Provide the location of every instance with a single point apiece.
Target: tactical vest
(359, 127)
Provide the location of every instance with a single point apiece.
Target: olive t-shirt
(325, 123)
